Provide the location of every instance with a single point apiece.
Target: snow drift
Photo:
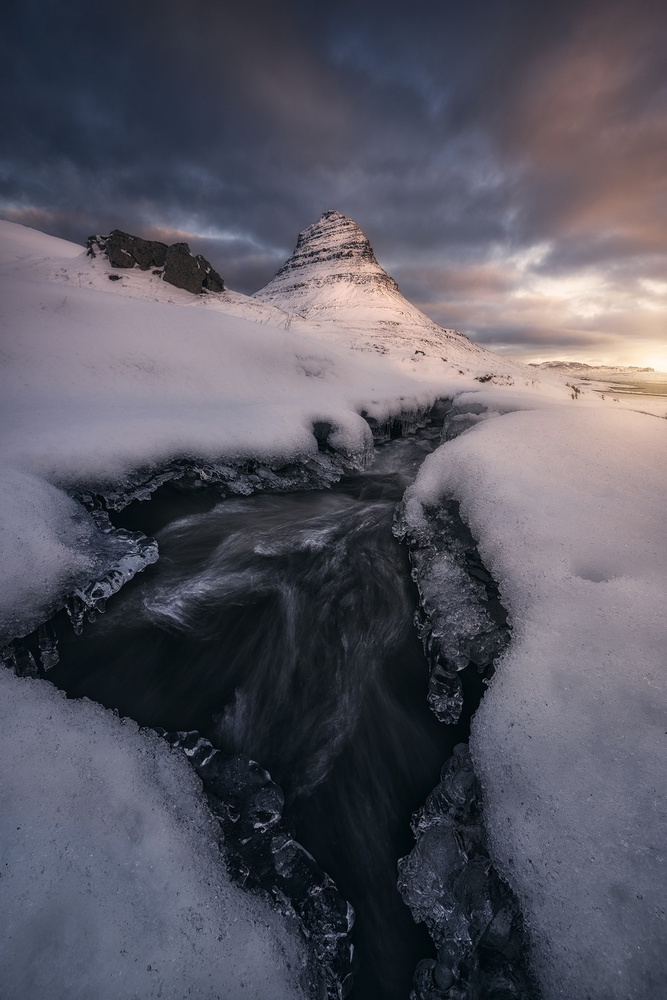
(569, 742)
(112, 881)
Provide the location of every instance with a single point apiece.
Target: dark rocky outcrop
(124, 250)
(176, 264)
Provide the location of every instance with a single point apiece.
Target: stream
(281, 627)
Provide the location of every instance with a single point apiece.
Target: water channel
(281, 626)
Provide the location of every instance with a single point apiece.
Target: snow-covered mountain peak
(333, 251)
(332, 281)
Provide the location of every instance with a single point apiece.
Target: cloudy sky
(506, 158)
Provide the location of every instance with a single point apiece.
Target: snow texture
(569, 507)
(112, 882)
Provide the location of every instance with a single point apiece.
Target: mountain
(333, 280)
(581, 368)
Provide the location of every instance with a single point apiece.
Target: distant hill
(580, 368)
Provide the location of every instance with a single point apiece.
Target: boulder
(182, 269)
(176, 263)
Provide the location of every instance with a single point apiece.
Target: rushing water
(281, 627)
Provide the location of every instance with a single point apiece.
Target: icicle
(48, 646)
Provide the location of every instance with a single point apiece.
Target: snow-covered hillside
(110, 386)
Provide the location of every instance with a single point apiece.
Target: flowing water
(281, 627)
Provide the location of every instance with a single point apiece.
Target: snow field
(112, 884)
(569, 507)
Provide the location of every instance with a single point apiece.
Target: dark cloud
(499, 153)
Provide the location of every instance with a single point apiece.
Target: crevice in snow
(262, 855)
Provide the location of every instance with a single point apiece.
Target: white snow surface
(564, 491)
(570, 509)
(112, 882)
(632, 388)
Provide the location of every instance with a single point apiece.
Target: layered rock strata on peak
(333, 249)
(333, 280)
(176, 264)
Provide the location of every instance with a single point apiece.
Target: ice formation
(461, 620)
(449, 882)
(55, 551)
(261, 854)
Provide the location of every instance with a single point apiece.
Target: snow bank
(569, 508)
(53, 548)
(112, 884)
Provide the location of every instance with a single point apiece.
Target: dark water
(281, 626)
